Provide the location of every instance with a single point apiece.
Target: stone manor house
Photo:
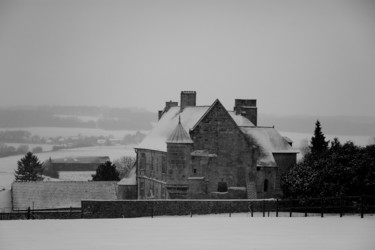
(198, 152)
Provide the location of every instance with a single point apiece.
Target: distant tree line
(29, 168)
(331, 169)
(20, 136)
(6, 150)
(59, 142)
(108, 118)
(133, 138)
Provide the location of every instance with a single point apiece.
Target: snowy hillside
(199, 232)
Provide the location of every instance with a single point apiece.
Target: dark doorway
(265, 186)
(222, 187)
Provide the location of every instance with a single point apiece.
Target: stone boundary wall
(41, 215)
(144, 208)
(60, 194)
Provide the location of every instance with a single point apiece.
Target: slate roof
(269, 141)
(157, 137)
(179, 135)
(130, 180)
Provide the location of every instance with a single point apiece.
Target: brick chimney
(168, 105)
(247, 108)
(188, 99)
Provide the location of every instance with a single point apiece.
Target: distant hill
(336, 125)
(77, 117)
(139, 119)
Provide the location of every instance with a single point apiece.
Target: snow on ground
(199, 232)
(45, 147)
(5, 200)
(76, 175)
(9, 164)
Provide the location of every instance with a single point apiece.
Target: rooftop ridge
(179, 135)
(257, 126)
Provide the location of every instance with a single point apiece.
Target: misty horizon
(296, 58)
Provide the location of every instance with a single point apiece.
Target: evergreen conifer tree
(106, 172)
(319, 144)
(29, 168)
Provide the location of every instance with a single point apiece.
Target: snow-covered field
(297, 138)
(67, 132)
(9, 164)
(76, 175)
(199, 232)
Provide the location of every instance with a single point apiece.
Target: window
(143, 161)
(142, 188)
(222, 187)
(194, 170)
(152, 162)
(265, 185)
(163, 165)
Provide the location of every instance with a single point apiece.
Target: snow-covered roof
(190, 116)
(156, 139)
(81, 159)
(240, 120)
(131, 179)
(267, 138)
(269, 141)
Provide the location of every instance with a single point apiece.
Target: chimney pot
(247, 108)
(188, 99)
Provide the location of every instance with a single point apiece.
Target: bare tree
(124, 165)
(304, 147)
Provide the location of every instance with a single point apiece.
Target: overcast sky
(294, 57)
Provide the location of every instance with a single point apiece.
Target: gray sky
(294, 57)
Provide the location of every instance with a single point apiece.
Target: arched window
(265, 185)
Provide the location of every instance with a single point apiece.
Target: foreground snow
(199, 232)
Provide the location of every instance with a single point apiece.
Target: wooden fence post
(191, 209)
(28, 213)
(252, 209)
(290, 207)
(230, 210)
(277, 207)
(152, 209)
(264, 208)
(340, 206)
(362, 206)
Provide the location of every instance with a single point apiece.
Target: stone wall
(151, 173)
(127, 192)
(143, 208)
(60, 194)
(284, 161)
(269, 189)
(218, 134)
(41, 215)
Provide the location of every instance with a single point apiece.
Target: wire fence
(324, 206)
(29, 213)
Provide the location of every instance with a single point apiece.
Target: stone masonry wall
(218, 134)
(152, 165)
(60, 194)
(143, 208)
